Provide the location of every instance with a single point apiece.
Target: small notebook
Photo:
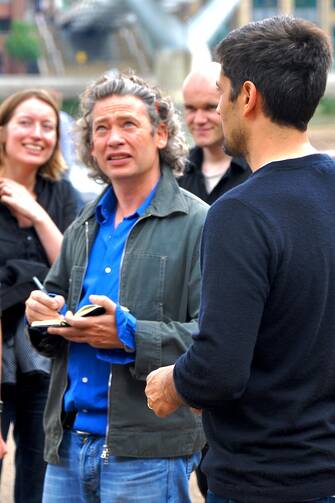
(87, 310)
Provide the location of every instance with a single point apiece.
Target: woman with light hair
(36, 206)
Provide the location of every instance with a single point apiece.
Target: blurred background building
(64, 43)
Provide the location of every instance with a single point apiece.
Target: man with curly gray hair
(135, 253)
(160, 110)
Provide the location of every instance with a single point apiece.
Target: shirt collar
(106, 206)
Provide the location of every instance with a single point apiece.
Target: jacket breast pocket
(75, 286)
(142, 284)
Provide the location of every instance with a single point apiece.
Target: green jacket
(160, 285)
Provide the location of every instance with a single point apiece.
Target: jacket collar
(167, 200)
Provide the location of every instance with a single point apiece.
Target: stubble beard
(236, 145)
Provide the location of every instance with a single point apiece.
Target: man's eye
(100, 128)
(128, 124)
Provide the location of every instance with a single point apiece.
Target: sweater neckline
(294, 162)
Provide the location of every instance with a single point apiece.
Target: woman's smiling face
(30, 136)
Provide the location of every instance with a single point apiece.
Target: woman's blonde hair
(54, 168)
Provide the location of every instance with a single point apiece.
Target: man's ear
(249, 95)
(161, 134)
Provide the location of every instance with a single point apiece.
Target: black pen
(39, 285)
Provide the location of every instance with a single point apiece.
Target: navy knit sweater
(263, 364)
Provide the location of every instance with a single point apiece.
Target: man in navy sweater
(262, 367)
(209, 172)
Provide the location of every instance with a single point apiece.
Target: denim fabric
(212, 498)
(83, 477)
(23, 406)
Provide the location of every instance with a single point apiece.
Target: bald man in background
(210, 172)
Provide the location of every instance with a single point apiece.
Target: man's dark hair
(286, 58)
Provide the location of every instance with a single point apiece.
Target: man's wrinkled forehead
(120, 106)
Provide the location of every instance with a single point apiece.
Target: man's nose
(115, 137)
(200, 116)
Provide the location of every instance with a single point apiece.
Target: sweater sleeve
(236, 252)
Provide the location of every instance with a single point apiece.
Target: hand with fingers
(19, 200)
(40, 306)
(162, 396)
(97, 331)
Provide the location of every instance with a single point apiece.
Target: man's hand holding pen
(40, 306)
(99, 332)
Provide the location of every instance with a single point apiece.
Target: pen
(39, 285)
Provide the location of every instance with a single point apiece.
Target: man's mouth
(202, 131)
(117, 157)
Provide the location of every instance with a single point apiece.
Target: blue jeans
(83, 477)
(212, 498)
(24, 404)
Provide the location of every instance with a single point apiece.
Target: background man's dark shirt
(194, 180)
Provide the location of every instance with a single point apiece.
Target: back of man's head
(286, 58)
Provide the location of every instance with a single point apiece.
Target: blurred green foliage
(23, 43)
(325, 112)
(71, 106)
(327, 106)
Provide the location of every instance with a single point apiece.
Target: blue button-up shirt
(89, 368)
